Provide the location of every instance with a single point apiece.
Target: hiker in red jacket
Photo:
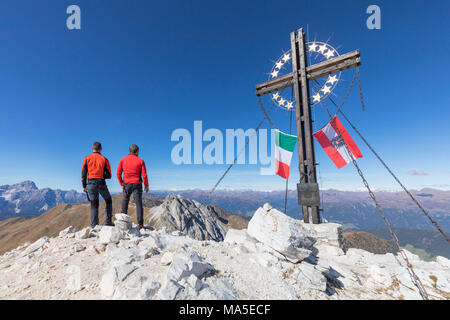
(134, 173)
(95, 170)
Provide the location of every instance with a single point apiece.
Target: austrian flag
(284, 146)
(334, 144)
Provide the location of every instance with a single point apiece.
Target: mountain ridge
(353, 209)
(25, 199)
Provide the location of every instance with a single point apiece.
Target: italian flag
(284, 146)
(334, 144)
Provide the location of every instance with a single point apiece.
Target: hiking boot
(109, 224)
(141, 226)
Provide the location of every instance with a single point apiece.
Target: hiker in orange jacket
(134, 173)
(95, 170)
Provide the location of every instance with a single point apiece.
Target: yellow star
(274, 74)
(316, 97)
(286, 57)
(325, 89)
(281, 102)
(329, 54)
(276, 96)
(312, 47)
(332, 79)
(322, 48)
(289, 105)
(278, 65)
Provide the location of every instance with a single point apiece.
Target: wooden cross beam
(325, 68)
(298, 78)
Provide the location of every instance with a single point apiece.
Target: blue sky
(137, 70)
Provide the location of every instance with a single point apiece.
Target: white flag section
(284, 146)
(334, 144)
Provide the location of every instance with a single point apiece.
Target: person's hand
(146, 188)
(84, 189)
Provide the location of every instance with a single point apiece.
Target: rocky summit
(277, 257)
(190, 217)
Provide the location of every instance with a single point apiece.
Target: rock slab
(282, 233)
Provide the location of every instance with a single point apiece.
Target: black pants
(94, 189)
(134, 189)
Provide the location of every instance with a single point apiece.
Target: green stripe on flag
(285, 141)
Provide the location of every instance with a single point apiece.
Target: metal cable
(413, 275)
(240, 152)
(347, 94)
(393, 175)
(360, 89)
(265, 113)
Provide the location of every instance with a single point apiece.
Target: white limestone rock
(78, 247)
(35, 246)
(281, 233)
(150, 242)
(66, 231)
(378, 274)
(108, 283)
(250, 244)
(123, 217)
(123, 225)
(326, 233)
(23, 259)
(167, 258)
(285, 266)
(443, 262)
(323, 266)
(310, 277)
(194, 282)
(186, 263)
(137, 279)
(170, 290)
(329, 251)
(83, 233)
(128, 244)
(267, 260)
(124, 270)
(355, 256)
(219, 289)
(119, 255)
(149, 290)
(109, 234)
(411, 256)
(262, 248)
(234, 236)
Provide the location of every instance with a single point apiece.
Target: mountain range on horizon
(25, 199)
(354, 209)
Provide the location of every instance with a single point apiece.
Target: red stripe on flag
(334, 155)
(281, 169)
(339, 128)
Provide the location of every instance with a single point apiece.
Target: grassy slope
(16, 231)
(368, 242)
(430, 241)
